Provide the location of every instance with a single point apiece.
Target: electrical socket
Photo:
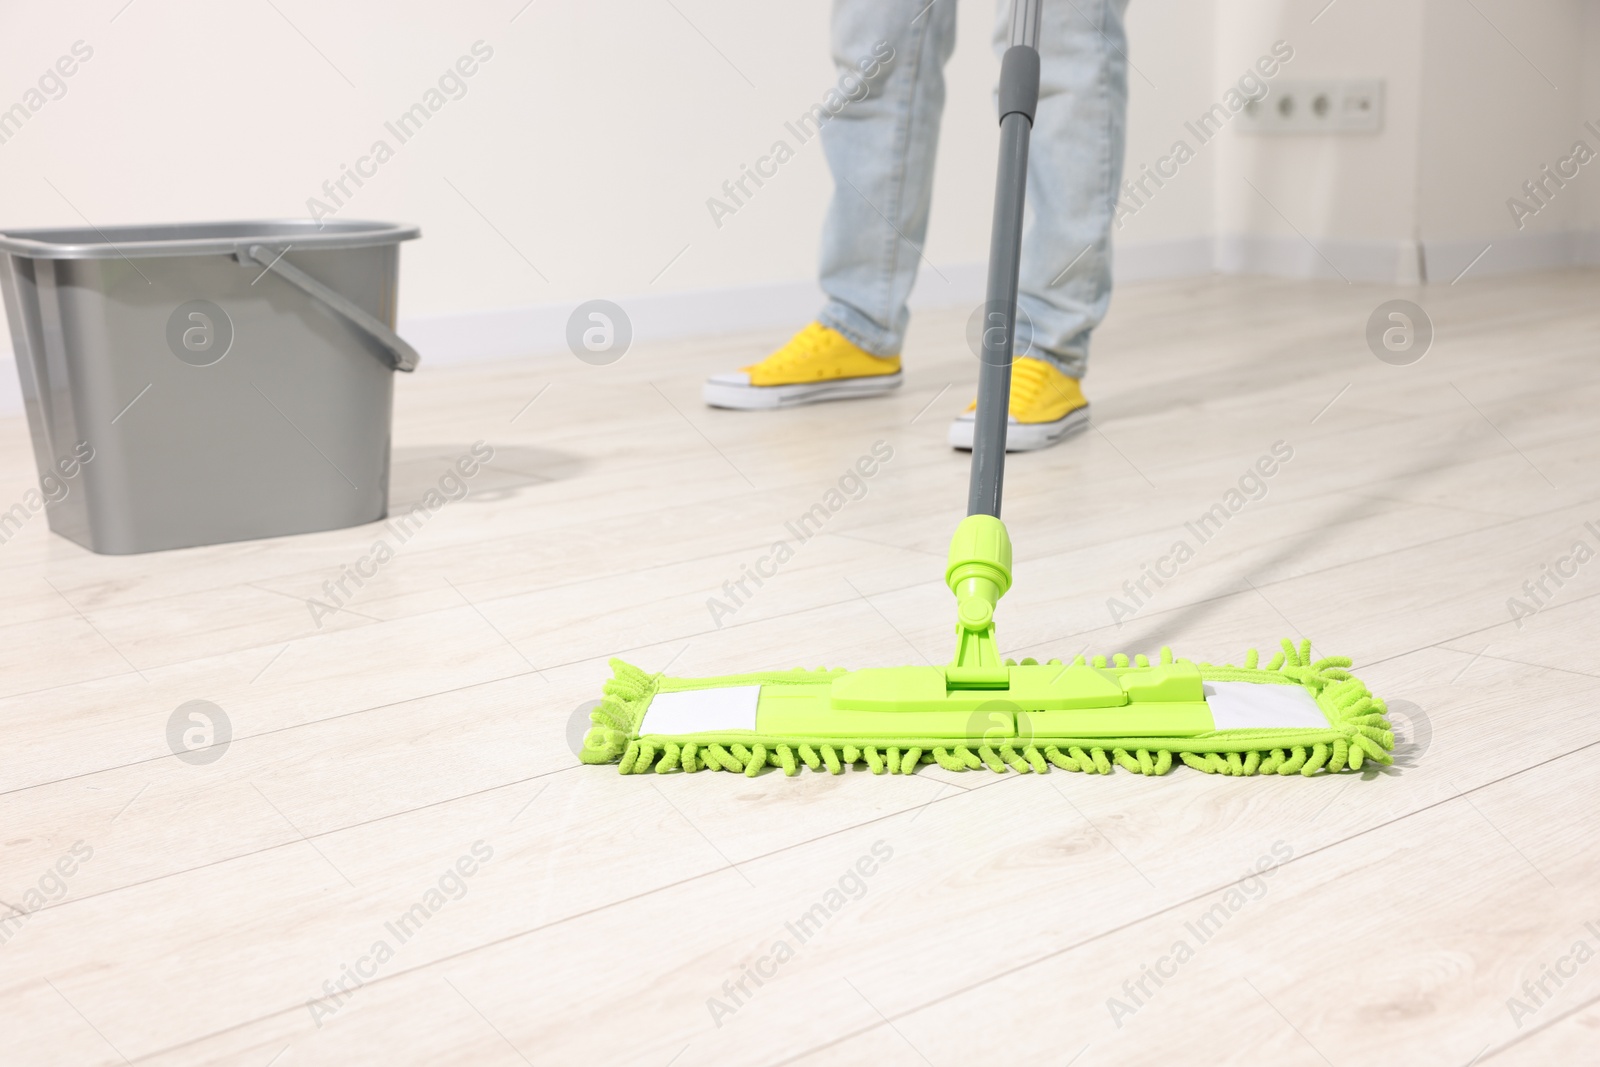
(1350, 105)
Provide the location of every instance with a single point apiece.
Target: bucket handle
(401, 355)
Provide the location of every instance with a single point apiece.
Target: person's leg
(881, 151)
(879, 131)
(1074, 169)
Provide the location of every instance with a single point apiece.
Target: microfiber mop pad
(1291, 716)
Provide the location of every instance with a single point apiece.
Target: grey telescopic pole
(1019, 96)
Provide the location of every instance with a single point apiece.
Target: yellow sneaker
(818, 363)
(1046, 406)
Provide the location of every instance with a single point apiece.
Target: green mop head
(1292, 715)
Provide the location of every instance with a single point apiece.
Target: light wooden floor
(369, 755)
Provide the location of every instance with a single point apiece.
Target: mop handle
(1019, 95)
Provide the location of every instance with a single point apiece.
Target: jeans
(881, 151)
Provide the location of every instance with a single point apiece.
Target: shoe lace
(1029, 378)
(801, 348)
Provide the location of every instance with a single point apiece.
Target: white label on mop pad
(696, 711)
(1254, 706)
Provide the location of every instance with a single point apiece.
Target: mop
(1290, 715)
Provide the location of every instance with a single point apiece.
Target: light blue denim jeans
(881, 150)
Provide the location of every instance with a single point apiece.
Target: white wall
(1502, 100)
(1353, 196)
(1172, 79)
(1588, 221)
(590, 141)
(1477, 97)
(588, 144)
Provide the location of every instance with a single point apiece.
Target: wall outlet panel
(1320, 105)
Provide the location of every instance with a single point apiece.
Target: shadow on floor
(414, 470)
(1413, 727)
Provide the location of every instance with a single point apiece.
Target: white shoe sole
(727, 391)
(1022, 436)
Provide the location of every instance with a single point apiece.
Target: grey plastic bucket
(194, 383)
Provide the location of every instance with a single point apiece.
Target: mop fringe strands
(1352, 733)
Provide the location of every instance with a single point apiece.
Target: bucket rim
(147, 240)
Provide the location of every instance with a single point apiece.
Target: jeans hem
(859, 330)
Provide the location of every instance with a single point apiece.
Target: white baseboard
(1395, 262)
(1148, 261)
(538, 329)
(1516, 254)
(1332, 260)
